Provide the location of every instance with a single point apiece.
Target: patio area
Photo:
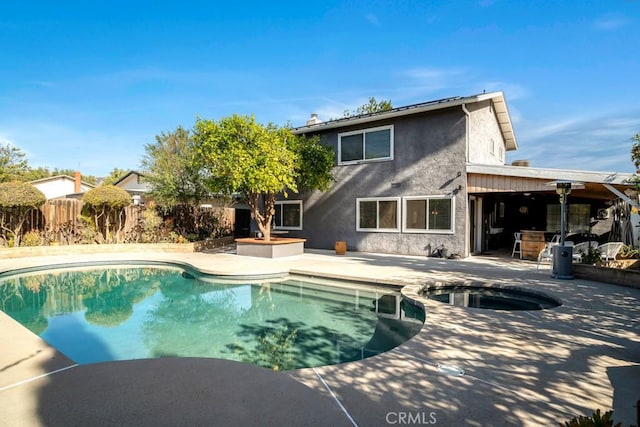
(527, 368)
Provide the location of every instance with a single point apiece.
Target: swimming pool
(119, 312)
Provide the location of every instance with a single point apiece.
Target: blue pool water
(106, 313)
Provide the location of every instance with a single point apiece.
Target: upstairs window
(365, 145)
(288, 215)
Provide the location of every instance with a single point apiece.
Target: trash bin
(562, 262)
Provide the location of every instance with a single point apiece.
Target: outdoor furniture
(546, 254)
(532, 243)
(517, 245)
(583, 248)
(608, 251)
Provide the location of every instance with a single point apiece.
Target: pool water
(492, 298)
(111, 313)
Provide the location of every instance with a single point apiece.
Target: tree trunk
(263, 217)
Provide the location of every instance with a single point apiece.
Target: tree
(17, 199)
(372, 106)
(106, 204)
(114, 176)
(260, 162)
(173, 170)
(635, 150)
(13, 165)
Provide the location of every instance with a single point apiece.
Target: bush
(596, 420)
(31, 238)
(592, 256)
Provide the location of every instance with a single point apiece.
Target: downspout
(467, 240)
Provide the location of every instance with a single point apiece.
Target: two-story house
(418, 178)
(401, 178)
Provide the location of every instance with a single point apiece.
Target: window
(578, 217)
(428, 214)
(288, 215)
(365, 145)
(378, 214)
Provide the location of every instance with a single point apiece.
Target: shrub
(17, 199)
(31, 238)
(592, 256)
(596, 420)
(106, 205)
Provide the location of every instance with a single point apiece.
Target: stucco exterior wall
(486, 145)
(429, 152)
(59, 187)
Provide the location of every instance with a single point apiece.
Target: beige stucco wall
(486, 145)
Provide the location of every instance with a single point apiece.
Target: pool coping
(371, 389)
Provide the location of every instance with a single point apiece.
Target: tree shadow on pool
(282, 344)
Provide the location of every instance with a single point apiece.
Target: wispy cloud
(596, 142)
(373, 19)
(610, 22)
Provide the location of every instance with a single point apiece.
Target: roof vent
(523, 163)
(314, 120)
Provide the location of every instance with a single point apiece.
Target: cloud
(610, 22)
(373, 19)
(595, 142)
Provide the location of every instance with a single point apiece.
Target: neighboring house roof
(59, 178)
(497, 98)
(131, 183)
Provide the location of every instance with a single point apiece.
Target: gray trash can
(562, 262)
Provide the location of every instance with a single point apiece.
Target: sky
(86, 85)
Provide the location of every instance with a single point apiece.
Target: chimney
(523, 163)
(314, 120)
(77, 180)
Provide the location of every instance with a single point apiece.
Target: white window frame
(378, 199)
(364, 145)
(279, 204)
(406, 229)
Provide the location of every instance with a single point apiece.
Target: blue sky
(87, 85)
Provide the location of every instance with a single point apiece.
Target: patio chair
(546, 254)
(608, 251)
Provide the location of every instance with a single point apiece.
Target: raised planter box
(277, 247)
(619, 276)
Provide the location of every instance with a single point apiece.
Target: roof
(63, 177)
(499, 104)
(127, 175)
(596, 177)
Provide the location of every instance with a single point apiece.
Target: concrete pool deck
(520, 368)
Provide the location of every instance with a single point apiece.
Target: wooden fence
(61, 215)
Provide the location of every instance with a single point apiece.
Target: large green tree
(260, 162)
(13, 165)
(173, 169)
